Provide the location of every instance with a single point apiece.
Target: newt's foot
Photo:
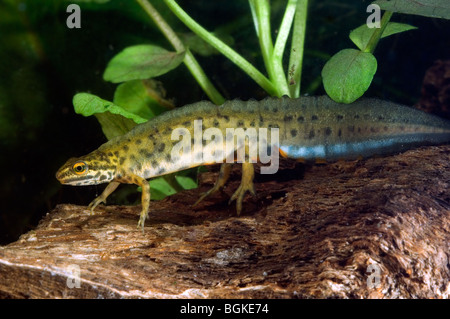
(102, 198)
(95, 203)
(142, 218)
(246, 186)
(206, 194)
(225, 170)
(240, 193)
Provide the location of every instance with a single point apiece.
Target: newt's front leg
(102, 198)
(145, 199)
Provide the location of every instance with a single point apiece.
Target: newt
(309, 128)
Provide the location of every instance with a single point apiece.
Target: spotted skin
(310, 128)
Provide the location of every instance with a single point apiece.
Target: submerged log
(375, 228)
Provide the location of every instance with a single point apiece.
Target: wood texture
(312, 232)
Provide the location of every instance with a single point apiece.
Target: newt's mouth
(60, 176)
(68, 179)
(74, 182)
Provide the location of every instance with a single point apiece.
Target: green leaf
(114, 119)
(164, 186)
(348, 74)
(134, 97)
(88, 104)
(361, 35)
(114, 125)
(160, 188)
(427, 8)
(186, 182)
(141, 62)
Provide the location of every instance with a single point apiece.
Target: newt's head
(91, 169)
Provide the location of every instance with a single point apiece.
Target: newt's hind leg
(248, 173)
(225, 170)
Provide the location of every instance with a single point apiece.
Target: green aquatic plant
(349, 73)
(346, 76)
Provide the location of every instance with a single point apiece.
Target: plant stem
(273, 64)
(284, 29)
(376, 35)
(297, 48)
(262, 12)
(219, 45)
(255, 19)
(280, 45)
(189, 60)
(202, 79)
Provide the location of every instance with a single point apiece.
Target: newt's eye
(80, 168)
